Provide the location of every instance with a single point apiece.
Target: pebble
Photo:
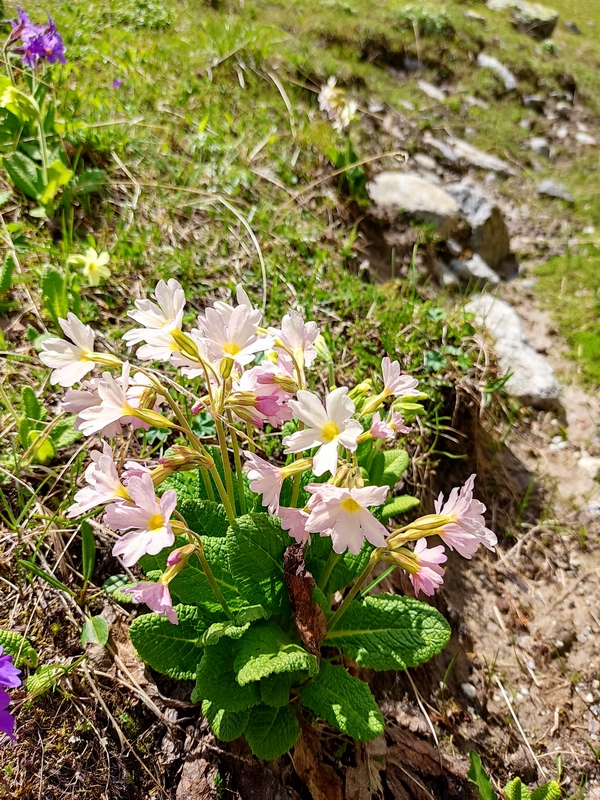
(550, 188)
(572, 27)
(489, 62)
(431, 91)
(585, 138)
(469, 691)
(589, 698)
(540, 145)
(596, 684)
(590, 465)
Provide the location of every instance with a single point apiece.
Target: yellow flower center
(155, 522)
(329, 431)
(350, 505)
(231, 348)
(122, 492)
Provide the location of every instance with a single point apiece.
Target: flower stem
(378, 580)
(353, 592)
(238, 464)
(207, 484)
(329, 567)
(225, 457)
(213, 584)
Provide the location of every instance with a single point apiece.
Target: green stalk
(224, 456)
(378, 580)
(238, 464)
(213, 584)
(207, 484)
(333, 560)
(353, 592)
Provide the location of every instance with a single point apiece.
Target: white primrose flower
(70, 360)
(114, 405)
(343, 514)
(104, 484)
(235, 337)
(297, 337)
(327, 427)
(158, 318)
(147, 521)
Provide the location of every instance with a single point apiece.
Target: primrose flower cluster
(246, 375)
(35, 43)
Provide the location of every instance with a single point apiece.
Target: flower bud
(323, 351)
(183, 458)
(186, 345)
(152, 418)
(349, 477)
(176, 561)
(225, 367)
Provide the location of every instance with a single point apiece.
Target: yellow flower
(93, 265)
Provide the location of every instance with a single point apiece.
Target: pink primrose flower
(467, 529)
(297, 337)
(265, 479)
(115, 406)
(235, 338)
(147, 521)
(396, 382)
(429, 575)
(159, 318)
(344, 513)
(156, 596)
(387, 429)
(294, 520)
(104, 484)
(327, 427)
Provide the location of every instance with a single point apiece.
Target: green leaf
(250, 614)
(265, 649)
(19, 647)
(43, 450)
(255, 544)
(95, 631)
(88, 551)
(45, 677)
(24, 431)
(347, 568)
(171, 649)
(204, 516)
(114, 586)
(271, 732)
(226, 725)
(191, 584)
(91, 180)
(398, 505)
(54, 294)
(516, 790)
(32, 407)
(549, 791)
(226, 628)
(275, 688)
(216, 679)
(19, 103)
(390, 632)
(58, 175)
(6, 273)
(344, 702)
(477, 776)
(63, 433)
(388, 467)
(24, 174)
(5, 197)
(45, 576)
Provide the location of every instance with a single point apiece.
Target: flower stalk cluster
(245, 376)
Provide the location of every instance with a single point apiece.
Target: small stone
(475, 17)
(454, 248)
(469, 691)
(479, 158)
(534, 19)
(590, 465)
(425, 161)
(550, 188)
(532, 379)
(572, 27)
(432, 91)
(564, 109)
(540, 145)
(474, 270)
(585, 138)
(489, 62)
(534, 101)
(589, 230)
(561, 132)
(589, 698)
(396, 192)
(596, 684)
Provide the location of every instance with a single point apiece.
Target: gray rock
(474, 271)
(479, 158)
(444, 148)
(489, 234)
(398, 192)
(475, 17)
(531, 18)
(549, 188)
(535, 102)
(425, 161)
(540, 145)
(591, 466)
(432, 91)
(532, 379)
(564, 110)
(469, 691)
(489, 62)
(572, 27)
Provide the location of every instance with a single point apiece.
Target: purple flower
(117, 83)
(37, 41)
(9, 679)
(9, 674)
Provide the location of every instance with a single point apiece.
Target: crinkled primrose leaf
(216, 679)
(390, 632)
(344, 702)
(19, 648)
(265, 649)
(204, 516)
(171, 649)
(226, 725)
(271, 732)
(191, 586)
